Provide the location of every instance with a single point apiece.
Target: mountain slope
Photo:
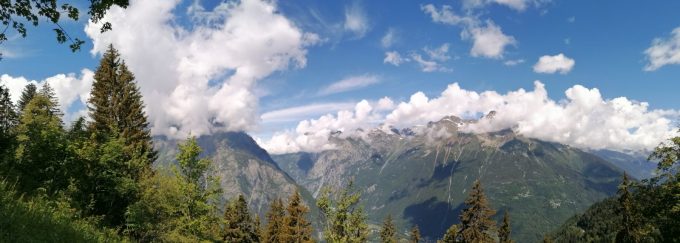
(422, 177)
(242, 166)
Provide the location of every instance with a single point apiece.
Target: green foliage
(388, 231)
(8, 120)
(415, 235)
(47, 91)
(41, 219)
(297, 228)
(40, 156)
(345, 221)
(275, 223)
(239, 226)
(452, 235)
(476, 222)
(504, 231)
(26, 96)
(17, 13)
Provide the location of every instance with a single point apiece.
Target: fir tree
(26, 96)
(388, 231)
(415, 234)
(629, 220)
(40, 151)
(476, 220)
(8, 120)
(345, 221)
(297, 228)
(274, 231)
(116, 107)
(452, 235)
(47, 91)
(504, 231)
(239, 224)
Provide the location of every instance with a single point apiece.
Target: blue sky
(605, 40)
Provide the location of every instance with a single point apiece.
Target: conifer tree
(47, 91)
(239, 224)
(388, 231)
(345, 221)
(116, 107)
(40, 151)
(629, 220)
(415, 234)
(504, 231)
(276, 215)
(297, 228)
(26, 96)
(8, 120)
(476, 222)
(452, 235)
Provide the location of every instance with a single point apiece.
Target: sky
(592, 74)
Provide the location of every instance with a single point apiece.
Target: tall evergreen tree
(452, 235)
(40, 152)
(388, 231)
(504, 231)
(345, 220)
(476, 222)
(116, 107)
(47, 91)
(297, 228)
(415, 234)
(629, 221)
(239, 224)
(8, 120)
(276, 215)
(26, 96)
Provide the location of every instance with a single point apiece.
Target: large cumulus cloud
(584, 119)
(200, 79)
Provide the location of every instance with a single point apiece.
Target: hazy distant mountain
(422, 175)
(635, 164)
(243, 168)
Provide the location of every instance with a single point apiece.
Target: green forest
(95, 181)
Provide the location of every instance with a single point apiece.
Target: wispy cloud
(663, 51)
(297, 113)
(356, 20)
(350, 83)
(389, 38)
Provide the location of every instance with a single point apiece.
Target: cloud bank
(584, 119)
(200, 79)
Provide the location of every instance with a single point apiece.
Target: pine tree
(116, 107)
(345, 221)
(8, 120)
(388, 231)
(476, 220)
(47, 91)
(452, 235)
(276, 215)
(504, 231)
(239, 224)
(415, 234)
(630, 229)
(297, 228)
(26, 96)
(40, 151)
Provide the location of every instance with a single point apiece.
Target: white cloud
(350, 83)
(488, 39)
(553, 64)
(201, 79)
(69, 89)
(664, 51)
(389, 38)
(519, 5)
(428, 65)
(513, 62)
(356, 20)
(302, 112)
(584, 119)
(394, 58)
(438, 54)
